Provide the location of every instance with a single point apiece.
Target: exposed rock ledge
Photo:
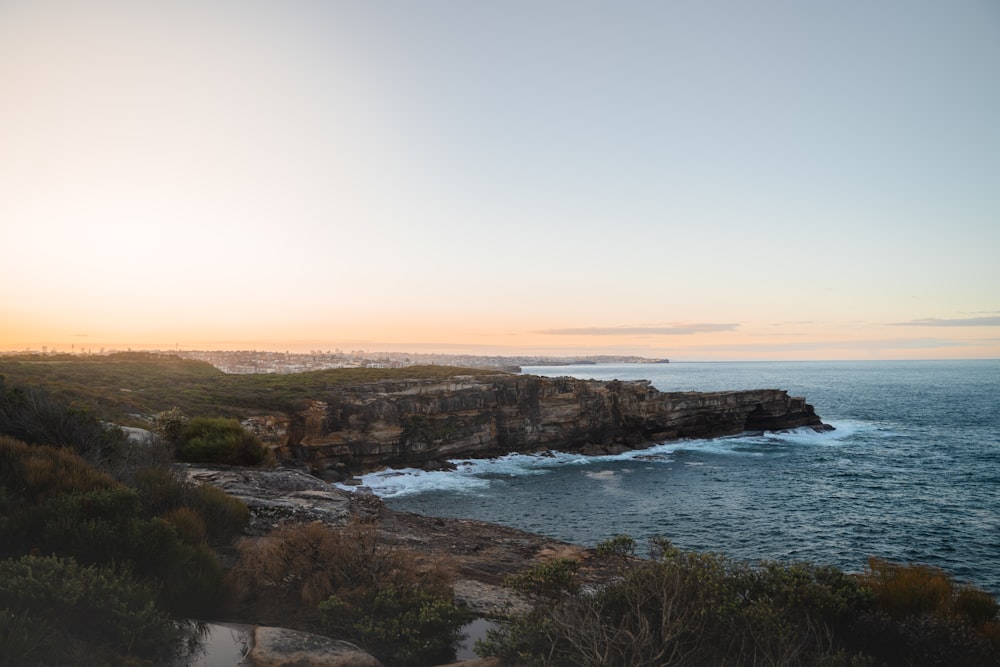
(423, 423)
(482, 554)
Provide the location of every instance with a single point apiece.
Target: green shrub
(621, 547)
(22, 638)
(103, 527)
(191, 580)
(683, 609)
(225, 517)
(404, 625)
(549, 580)
(171, 424)
(107, 612)
(92, 526)
(217, 440)
(163, 492)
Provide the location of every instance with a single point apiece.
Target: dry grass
(908, 590)
(189, 525)
(311, 562)
(911, 590)
(41, 472)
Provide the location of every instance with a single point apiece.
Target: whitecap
(474, 475)
(394, 483)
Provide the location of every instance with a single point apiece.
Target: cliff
(421, 423)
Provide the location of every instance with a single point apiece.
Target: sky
(698, 180)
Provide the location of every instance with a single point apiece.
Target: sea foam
(478, 475)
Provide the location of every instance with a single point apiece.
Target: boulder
(280, 647)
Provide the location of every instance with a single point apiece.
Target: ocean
(911, 472)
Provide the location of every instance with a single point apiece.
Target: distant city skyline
(693, 180)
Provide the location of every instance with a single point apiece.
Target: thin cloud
(668, 330)
(959, 322)
(805, 346)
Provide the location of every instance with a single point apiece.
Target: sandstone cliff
(414, 423)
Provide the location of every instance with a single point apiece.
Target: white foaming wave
(754, 444)
(845, 429)
(470, 475)
(394, 483)
(473, 475)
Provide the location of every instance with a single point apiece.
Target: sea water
(911, 472)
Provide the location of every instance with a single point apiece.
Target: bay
(911, 472)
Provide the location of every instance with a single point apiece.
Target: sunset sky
(699, 180)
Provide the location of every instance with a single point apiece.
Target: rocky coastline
(425, 422)
(481, 556)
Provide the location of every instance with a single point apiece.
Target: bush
(53, 502)
(703, 609)
(370, 594)
(161, 491)
(401, 625)
(904, 591)
(549, 580)
(107, 526)
(976, 607)
(311, 561)
(22, 638)
(225, 516)
(682, 609)
(922, 617)
(908, 590)
(33, 415)
(97, 613)
(620, 546)
(217, 440)
(170, 425)
(34, 473)
(188, 524)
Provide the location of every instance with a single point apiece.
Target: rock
(280, 647)
(434, 465)
(276, 496)
(486, 599)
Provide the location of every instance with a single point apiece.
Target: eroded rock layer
(421, 423)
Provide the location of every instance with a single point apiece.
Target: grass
(129, 387)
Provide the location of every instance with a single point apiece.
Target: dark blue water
(911, 474)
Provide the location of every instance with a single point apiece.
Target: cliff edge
(425, 422)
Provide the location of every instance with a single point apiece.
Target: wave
(478, 475)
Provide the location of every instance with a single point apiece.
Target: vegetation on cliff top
(120, 387)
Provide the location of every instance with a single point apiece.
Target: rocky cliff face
(423, 422)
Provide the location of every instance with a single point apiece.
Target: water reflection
(472, 632)
(213, 645)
